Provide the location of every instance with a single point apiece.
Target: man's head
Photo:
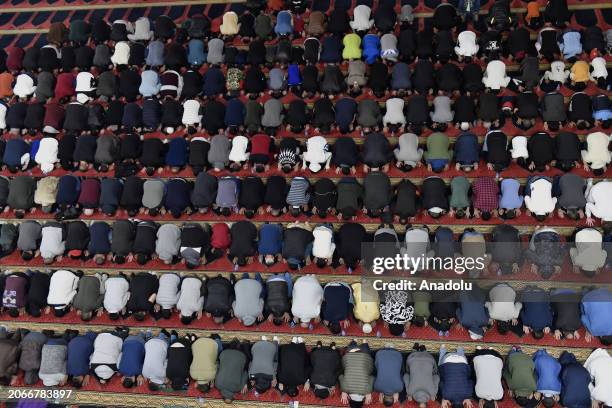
(486, 215)
(186, 319)
(203, 387)
(321, 392)
(418, 321)
(522, 401)
(128, 382)
(77, 381)
(142, 258)
(396, 329)
(27, 255)
(13, 312)
(488, 404)
(19, 214)
(335, 328)
(503, 327)
(388, 400)
(86, 316)
(540, 217)
(292, 391)
(537, 334)
(321, 263)
(140, 315)
(548, 402)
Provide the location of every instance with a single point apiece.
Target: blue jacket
(155, 54)
(294, 76)
(547, 370)
(471, 312)
(178, 152)
(371, 48)
(14, 149)
(575, 380)
(331, 49)
(571, 45)
(284, 23)
(151, 113)
(467, 149)
(346, 108)
(456, 382)
(270, 239)
(195, 53)
(234, 112)
(132, 356)
(213, 82)
(99, 238)
(388, 371)
(68, 189)
(536, 312)
(336, 303)
(110, 193)
(596, 308)
(178, 193)
(80, 349)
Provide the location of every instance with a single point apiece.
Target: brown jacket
(316, 23)
(6, 85)
(9, 354)
(58, 33)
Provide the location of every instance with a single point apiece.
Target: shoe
(264, 338)
(276, 339)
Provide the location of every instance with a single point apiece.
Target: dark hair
(522, 401)
(486, 215)
(418, 321)
(538, 334)
(548, 402)
(27, 255)
(460, 213)
(128, 382)
(277, 321)
(103, 168)
(335, 328)
(119, 259)
(388, 400)
(226, 212)
(241, 261)
(249, 213)
(113, 316)
(132, 212)
(598, 172)
(355, 404)
(554, 126)
(346, 170)
(19, 214)
(35, 312)
(503, 327)
(153, 212)
(177, 384)
(287, 168)
(166, 313)
(321, 263)
(59, 312)
(396, 329)
(76, 382)
(86, 316)
(186, 319)
(150, 171)
(321, 393)
(204, 388)
(13, 312)
(489, 404)
(295, 211)
(322, 213)
(142, 259)
(292, 391)
(140, 315)
(540, 217)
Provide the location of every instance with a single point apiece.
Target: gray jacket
(265, 358)
(421, 378)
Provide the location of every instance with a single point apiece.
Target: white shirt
(46, 156)
(191, 113)
(107, 350)
(519, 147)
(117, 293)
(598, 200)
(316, 152)
(588, 254)
(502, 306)
(488, 370)
(557, 72)
(408, 149)
(190, 298)
(361, 18)
(495, 75)
(3, 110)
(62, 288)
(168, 291)
(597, 154)
(599, 365)
(85, 82)
(24, 86)
(52, 243)
(121, 56)
(238, 153)
(307, 298)
(322, 246)
(467, 46)
(395, 112)
(142, 30)
(540, 201)
(154, 366)
(599, 69)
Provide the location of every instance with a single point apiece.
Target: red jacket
(260, 144)
(14, 59)
(220, 236)
(65, 85)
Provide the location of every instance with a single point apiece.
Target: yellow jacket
(230, 24)
(352, 47)
(580, 71)
(367, 304)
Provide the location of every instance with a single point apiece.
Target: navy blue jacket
(456, 382)
(14, 149)
(575, 380)
(178, 192)
(178, 152)
(536, 312)
(214, 82)
(336, 303)
(68, 190)
(234, 113)
(151, 113)
(467, 149)
(99, 238)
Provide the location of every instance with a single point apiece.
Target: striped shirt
(298, 192)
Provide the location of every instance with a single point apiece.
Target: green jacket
(519, 373)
